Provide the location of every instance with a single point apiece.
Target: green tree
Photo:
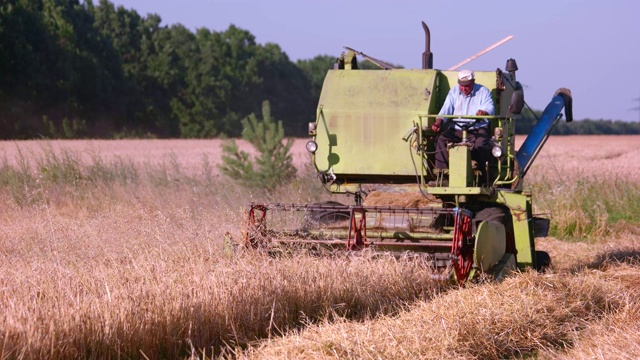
(315, 70)
(141, 101)
(286, 86)
(221, 83)
(272, 166)
(526, 120)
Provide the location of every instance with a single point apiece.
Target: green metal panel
(521, 213)
(486, 78)
(460, 175)
(363, 115)
(490, 244)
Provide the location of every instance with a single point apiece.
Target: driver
(468, 98)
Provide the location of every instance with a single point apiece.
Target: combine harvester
(372, 139)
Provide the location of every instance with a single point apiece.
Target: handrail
(462, 116)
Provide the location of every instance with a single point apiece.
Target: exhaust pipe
(427, 56)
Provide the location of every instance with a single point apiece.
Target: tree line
(79, 69)
(528, 118)
(73, 69)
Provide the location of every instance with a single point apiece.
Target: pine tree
(272, 166)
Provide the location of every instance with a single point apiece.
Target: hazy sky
(591, 47)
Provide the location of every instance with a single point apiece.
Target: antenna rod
(380, 63)
(481, 52)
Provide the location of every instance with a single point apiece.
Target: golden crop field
(116, 249)
(604, 156)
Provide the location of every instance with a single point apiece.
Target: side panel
(521, 214)
(363, 116)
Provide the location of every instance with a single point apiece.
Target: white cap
(465, 77)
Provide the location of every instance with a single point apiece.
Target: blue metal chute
(541, 131)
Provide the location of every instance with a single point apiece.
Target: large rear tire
(507, 263)
(318, 217)
(543, 261)
(502, 216)
(489, 214)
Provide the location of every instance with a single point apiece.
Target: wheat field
(116, 249)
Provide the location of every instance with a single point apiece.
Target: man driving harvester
(468, 98)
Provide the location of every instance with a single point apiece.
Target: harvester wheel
(357, 229)
(499, 215)
(489, 214)
(329, 217)
(462, 247)
(316, 217)
(543, 261)
(257, 227)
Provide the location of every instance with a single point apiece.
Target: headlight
(496, 151)
(312, 146)
(312, 128)
(497, 133)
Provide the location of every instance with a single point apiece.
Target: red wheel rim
(462, 247)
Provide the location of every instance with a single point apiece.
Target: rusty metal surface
(421, 229)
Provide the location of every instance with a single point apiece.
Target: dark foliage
(76, 69)
(527, 120)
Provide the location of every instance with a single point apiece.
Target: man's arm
(447, 109)
(437, 125)
(486, 102)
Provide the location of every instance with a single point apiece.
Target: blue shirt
(457, 103)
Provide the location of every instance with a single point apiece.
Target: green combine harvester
(373, 134)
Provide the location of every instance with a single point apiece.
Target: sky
(591, 47)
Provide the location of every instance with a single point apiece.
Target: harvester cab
(372, 139)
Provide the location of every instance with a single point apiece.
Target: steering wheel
(465, 124)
